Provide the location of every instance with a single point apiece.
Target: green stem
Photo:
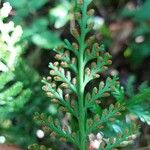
(81, 98)
(82, 109)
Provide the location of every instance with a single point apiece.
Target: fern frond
(85, 60)
(12, 95)
(122, 138)
(133, 104)
(60, 75)
(57, 97)
(55, 125)
(104, 90)
(119, 93)
(108, 115)
(142, 96)
(142, 112)
(96, 68)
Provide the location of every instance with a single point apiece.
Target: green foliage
(24, 117)
(63, 9)
(81, 99)
(142, 112)
(137, 104)
(78, 64)
(42, 40)
(16, 76)
(24, 8)
(36, 31)
(12, 97)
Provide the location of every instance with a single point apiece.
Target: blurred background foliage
(123, 26)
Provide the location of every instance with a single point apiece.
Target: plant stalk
(82, 111)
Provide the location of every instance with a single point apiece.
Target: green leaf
(46, 40)
(130, 86)
(140, 97)
(60, 14)
(38, 26)
(118, 93)
(5, 78)
(9, 93)
(21, 100)
(142, 112)
(96, 109)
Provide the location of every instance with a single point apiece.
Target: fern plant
(137, 103)
(78, 65)
(12, 95)
(16, 76)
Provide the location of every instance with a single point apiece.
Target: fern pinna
(78, 64)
